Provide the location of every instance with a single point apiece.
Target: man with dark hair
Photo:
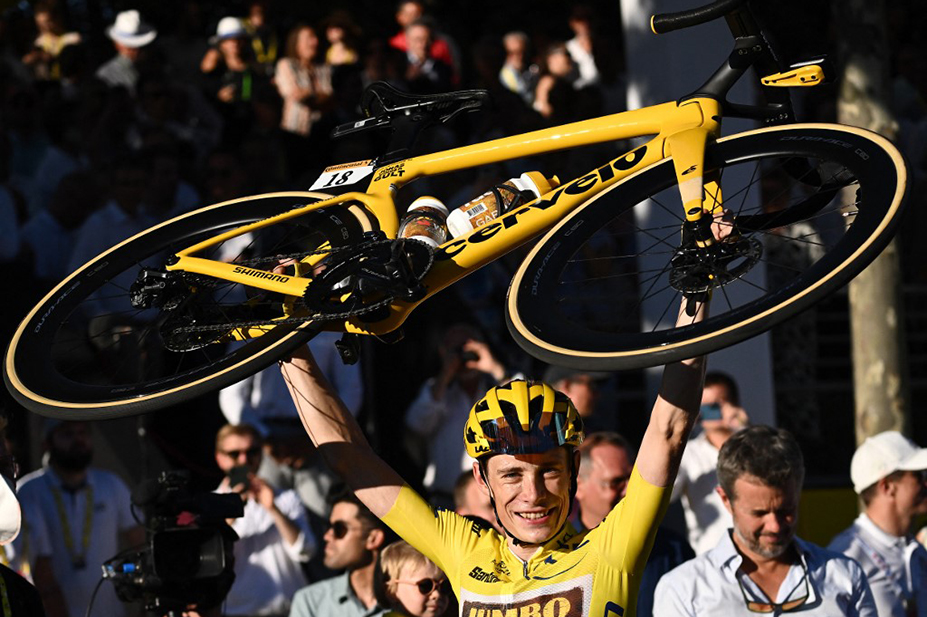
(353, 542)
(889, 472)
(720, 416)
(760, 565)
(606, 461)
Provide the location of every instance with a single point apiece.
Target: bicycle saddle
(385, 106)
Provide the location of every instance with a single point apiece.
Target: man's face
(347, 540)
(718, 394)
(601, 487)
(532, 492)
(911, 493)
(765, 517)
(70, 446)
(581, 389)
(408, 13)
(476, 503)
(418, 39)
(237, 451)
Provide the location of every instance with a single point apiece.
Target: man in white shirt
(889, 473)
(274, 536)
(77, 517)
(439, 412)
(720, 417)
(760, 566)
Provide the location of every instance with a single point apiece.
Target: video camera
(188, 557)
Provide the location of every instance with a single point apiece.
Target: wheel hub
(695, 270)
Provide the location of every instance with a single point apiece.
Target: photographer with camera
(720, 416)
(439, 413)
(274, 535)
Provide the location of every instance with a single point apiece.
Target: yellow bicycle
(207, 298)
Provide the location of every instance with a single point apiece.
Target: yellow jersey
(591, 573)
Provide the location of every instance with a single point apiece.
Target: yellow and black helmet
(522, 417)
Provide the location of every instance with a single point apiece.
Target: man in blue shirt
(353, 541)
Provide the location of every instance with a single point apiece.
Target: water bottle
(425, 221)
(486, 207)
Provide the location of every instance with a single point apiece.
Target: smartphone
(239, 475)
(711, 411)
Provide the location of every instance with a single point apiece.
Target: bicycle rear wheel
(84, 352)
(814, 204)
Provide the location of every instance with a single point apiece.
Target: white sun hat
(130, 30)
(229, 28)
(883, 454)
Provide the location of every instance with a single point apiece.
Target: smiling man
(524, 436)
(889, 472)
(760, 566)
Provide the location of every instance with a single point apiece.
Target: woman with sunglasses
(410, 583)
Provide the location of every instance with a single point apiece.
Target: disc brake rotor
(696, 270)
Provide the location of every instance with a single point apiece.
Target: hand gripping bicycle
(212, 296)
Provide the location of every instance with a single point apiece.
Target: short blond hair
(241, 430)
(393, 559)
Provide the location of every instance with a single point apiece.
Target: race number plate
(338, 175)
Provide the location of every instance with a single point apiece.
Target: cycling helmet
(522, 417)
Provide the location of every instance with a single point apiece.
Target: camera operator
(274, 536)
(439, 413)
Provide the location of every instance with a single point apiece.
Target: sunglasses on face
(427, 585)
(235, 454)
(771, 607)
(340, 529)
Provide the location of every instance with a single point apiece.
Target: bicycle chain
(295, 320)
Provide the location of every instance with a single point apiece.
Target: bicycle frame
(685, 127)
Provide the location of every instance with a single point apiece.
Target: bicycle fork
(694, 263)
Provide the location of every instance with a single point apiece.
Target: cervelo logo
(577, 187)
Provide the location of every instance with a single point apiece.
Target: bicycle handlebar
(667, 22)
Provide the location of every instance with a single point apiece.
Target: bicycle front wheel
(812, 205)
(84, 352)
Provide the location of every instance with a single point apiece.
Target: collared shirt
(896, 567)
(712, 585)
(268, 571)
(111, 515)
(707, 519)
(331, 598)
(119, 71)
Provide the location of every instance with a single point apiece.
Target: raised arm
(674, 413)
(336, 434)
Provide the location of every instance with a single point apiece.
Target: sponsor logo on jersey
(483, 576)
(500, 567)
(568, 603)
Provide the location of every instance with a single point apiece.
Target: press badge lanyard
(7, 609)
(79, 561)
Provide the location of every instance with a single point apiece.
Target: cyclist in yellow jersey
(524, 436)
